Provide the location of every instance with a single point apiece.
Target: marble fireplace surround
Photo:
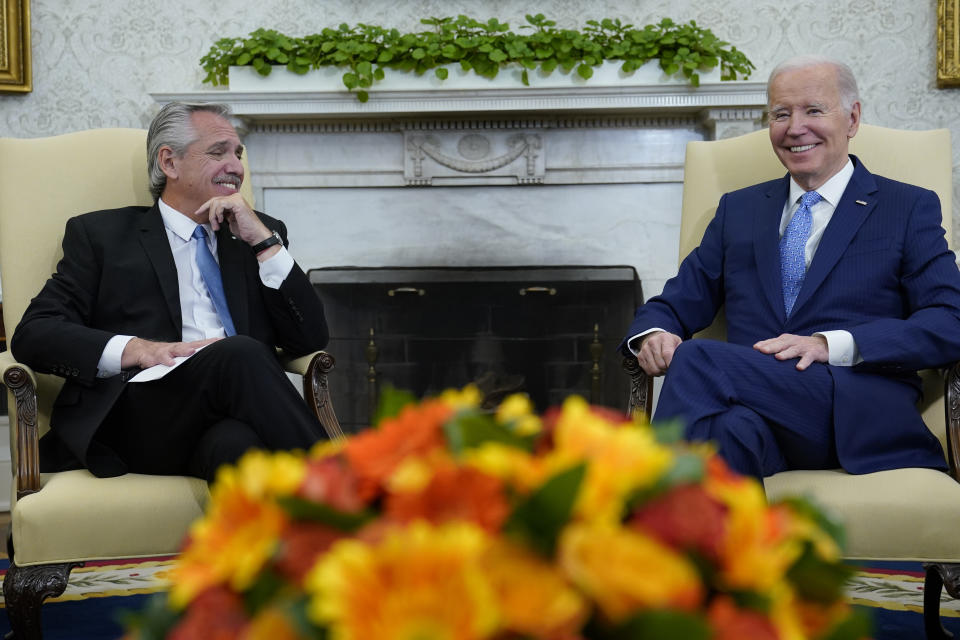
(579, 175)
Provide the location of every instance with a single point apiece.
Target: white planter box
(327, 79)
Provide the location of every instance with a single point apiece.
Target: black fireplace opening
(546, 331)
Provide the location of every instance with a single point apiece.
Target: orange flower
(416, 430)
(271, 624)
(535, 600)
(625, 571)
(685, 518)
(732, 623)
(452, 493)
(420, 583)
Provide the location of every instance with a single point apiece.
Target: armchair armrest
(641, 388)
(24, 430)
(314, 368)
(951, 406)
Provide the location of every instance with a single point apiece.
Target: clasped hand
(658, 348)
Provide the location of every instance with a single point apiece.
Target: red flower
(215, 614)
(686, 518)
(300, 546)
(731, 623)
(331, 482)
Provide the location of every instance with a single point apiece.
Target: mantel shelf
(665, 99)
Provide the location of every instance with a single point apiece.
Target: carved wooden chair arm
(314, 368)
(24, 431)
(641, 388)
(951, 406)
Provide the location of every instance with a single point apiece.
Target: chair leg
(938, 576)
(25, 589)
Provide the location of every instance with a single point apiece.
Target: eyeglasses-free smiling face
(809, 128)
(210, 166)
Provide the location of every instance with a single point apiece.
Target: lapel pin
(861, 202)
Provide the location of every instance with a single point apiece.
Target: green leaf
(300, 509)
(818, 580)
(664, 625)
(363, 96)
(419, 53)
(525, 78)
(350, 80)
(585, 71)
(441, 72)
(267, 585)
(470, 429)
(243, 59)
(541, 516)
(856, 626)
(391, 402)
(498, 56)
(154, 621)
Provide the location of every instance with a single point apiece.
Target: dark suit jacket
(882, 271)
(118, 276)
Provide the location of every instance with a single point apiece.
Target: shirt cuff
(275, 269)
(630, 342)
(109, 364)
(842, 350)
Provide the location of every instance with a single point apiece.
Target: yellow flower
(230, 544)
(625, 571)
(467, 398)
(263, 474)
(514, 466)
(419, 583)
(518, 410)
(756, 551)
(624, 458)
(534, 597)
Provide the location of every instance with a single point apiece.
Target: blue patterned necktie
(210, 272)
(793, 266)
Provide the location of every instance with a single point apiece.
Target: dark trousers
(230, 397)
(764, 415)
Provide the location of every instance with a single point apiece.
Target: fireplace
(548, 331)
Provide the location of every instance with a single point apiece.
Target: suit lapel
(766, 243)
(153, 239)
(847, 219)
(232, 253)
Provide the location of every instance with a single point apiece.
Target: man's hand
(241, 219)
(656, 352)
(146, 353)
(786, 346)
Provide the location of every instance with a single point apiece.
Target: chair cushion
(902, 514)
(77, 516)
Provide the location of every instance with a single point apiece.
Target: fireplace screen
(546, 331)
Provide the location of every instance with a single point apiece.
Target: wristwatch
(263, 245)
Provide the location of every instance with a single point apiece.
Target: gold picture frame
(948, 43)
(15, 71)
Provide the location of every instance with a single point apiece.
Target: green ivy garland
(483, 47)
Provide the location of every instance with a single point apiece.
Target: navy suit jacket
(118, 276)
(882, 271)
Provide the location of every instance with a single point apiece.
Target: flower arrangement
(447, 521)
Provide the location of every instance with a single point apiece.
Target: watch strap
(263, 245)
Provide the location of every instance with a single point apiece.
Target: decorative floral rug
(97, 594)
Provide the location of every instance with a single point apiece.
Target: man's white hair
(846, 83)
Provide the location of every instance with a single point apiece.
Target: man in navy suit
(828, 318)
(132, 291)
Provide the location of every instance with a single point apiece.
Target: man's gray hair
(173, 127)
(846, 83)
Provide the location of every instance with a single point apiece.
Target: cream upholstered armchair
(903, 514)
(59, 520)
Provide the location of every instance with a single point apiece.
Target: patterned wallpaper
(95, 62)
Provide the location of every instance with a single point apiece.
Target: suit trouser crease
(231, 396)
(764, 415)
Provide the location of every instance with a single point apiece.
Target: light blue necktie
(793, 266)
(210, 271)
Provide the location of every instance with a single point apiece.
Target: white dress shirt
(199, 316)
(842, 350)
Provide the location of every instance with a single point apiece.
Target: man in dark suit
(138, 287)
(837, 286)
